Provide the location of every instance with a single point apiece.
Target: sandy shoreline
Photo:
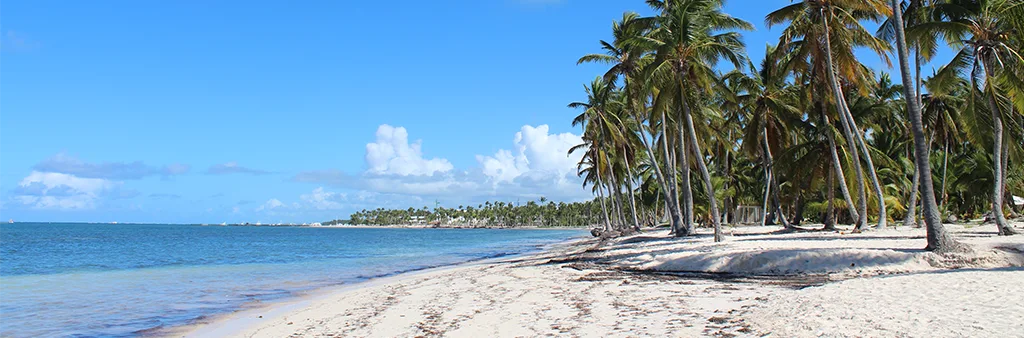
(236, 323)
(426, 226)
(629, 288)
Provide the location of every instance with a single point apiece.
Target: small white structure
(1017, 200)
(747, 214)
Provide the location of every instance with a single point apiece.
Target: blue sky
(270, 111)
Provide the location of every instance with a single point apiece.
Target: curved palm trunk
(847, 131)
(666, 194)
(911, 218)
(604, 209)
(770, 164)
(632, 198)
(883, 215)
(704, 172)
(938, 240)
(997, 151)
(838, 167)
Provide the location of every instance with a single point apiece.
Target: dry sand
(631, 287)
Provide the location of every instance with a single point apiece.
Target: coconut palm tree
(771, 108)
(813, 24)
(626, 59)
(690, 37)
(937, 238)
(984, 33)
(600, 128)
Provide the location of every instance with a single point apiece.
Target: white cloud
(537, 165)
(46, 190)
(233, 168)
(392, 154)
(537, 152)
(271, 204)
(321, 199)
(65, 164)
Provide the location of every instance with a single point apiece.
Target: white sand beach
(833, 284)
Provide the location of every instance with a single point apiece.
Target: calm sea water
(120, 280)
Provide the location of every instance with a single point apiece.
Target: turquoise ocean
(123, 280)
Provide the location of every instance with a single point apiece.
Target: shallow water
(59, 279)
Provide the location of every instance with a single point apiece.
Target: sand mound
(767, 251)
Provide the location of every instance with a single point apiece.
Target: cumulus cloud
(271, 204)
(321, 199)
(392, 154)
(326, 203)
(537, 153)
(233, 168)
(64, 164)
(450, 183)
(538, 164)
(47, 190)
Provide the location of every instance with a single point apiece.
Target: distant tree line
(540, 213)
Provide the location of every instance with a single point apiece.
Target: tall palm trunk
(997, 156)
(799, 206)
(938, 240)
(770, 163)
(614, 212)
(632, 198)
(600, 195)
(839, 174)
(847, 129)
(767, 193)
(619, 205)
(727, 207)
(830, 211)
(945, 163)
(917, 76)
(687, 185)
(920, 103)
(1007, 197)
(699, 158)
(883, 215)
(666, 193)
(680, 228)
(910, 219)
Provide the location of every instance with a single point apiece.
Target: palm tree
(938, 240)
(941, 112)
(813, 24)
(771, 107)
(627, 59)
(691, 36)
(600, 128)
(983, 31)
